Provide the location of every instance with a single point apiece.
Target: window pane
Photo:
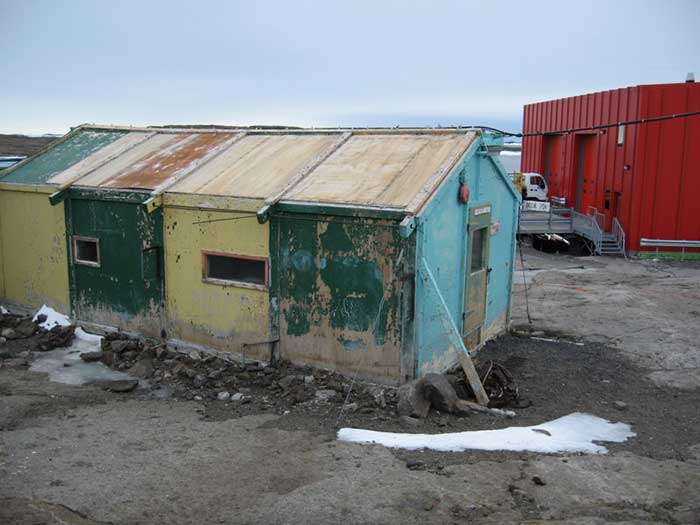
(86, 250)
(478, 249)
(235, 269)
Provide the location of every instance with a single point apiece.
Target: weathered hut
(394, 254)
(116, 268)
(384, 253)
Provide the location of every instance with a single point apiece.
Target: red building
(646, 175)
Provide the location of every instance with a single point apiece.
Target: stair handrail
(619, 233)
(599, 217)
(587, 226)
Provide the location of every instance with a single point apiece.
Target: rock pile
(21, 330)
(202, 376)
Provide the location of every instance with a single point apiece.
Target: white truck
(532, 186)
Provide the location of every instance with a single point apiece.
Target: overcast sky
(332, 62)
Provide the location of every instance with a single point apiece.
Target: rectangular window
(239, 270)
(621, 135)
(478, 249)
(86, 251)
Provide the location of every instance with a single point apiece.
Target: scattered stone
(9, 333)
(57, 337)
(268, 370)
(198, 398)
(350, 407)
(411, 401)
(620, 405)
(254, 367)
(378, 397)
(309, 379)
(199, 381)
(410, 422)
(223, 396)
(287, 381)
(120, 346)
(3, 340)
(25, 328)
(108, 358)
(442, 422)
(326, 394)
(91, 357)
(143, 369)
(438, 390)
(237, 397)
(214, 375)
(538, 481)
(414, 464)
(121, 385)
(538, 333)
(162, 352)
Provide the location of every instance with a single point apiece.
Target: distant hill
(23, 145)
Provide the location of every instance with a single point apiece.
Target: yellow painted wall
(221, 317)
(34, 260)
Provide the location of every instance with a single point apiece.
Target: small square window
(86, 251)
(239, 270)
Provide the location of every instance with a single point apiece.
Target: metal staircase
(589, 225)
(611, 245)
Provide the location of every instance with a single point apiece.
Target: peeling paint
(213, 315)
(126, 289)
(337, 309)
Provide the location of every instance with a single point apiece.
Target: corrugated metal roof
(381, 170)
(62, 155)
(153, 161)
(257, 166)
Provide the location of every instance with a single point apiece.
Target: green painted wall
(336, 303)
(61, 156)
(126, 290)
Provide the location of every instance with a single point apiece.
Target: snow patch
(576, 432)
(64, 364)
(53, 318)
(3, 310)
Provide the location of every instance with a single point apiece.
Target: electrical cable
(590, 128)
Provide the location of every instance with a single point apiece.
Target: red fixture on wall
(463, 193)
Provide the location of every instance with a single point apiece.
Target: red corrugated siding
(659, 194)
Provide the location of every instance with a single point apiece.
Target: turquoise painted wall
(61, 156)
(443, 241)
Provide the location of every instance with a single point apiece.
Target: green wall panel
(128, 284)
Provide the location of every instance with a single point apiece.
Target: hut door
(477, 275)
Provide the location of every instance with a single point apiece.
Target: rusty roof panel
(179, 157)
(123, 162)
(99, 158)
(257, 166)
(381, 169)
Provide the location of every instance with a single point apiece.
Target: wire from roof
(591, 128)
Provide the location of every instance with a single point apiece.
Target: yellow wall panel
(34, 259)
(221, 317)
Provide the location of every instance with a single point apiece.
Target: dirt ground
(79, 454)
